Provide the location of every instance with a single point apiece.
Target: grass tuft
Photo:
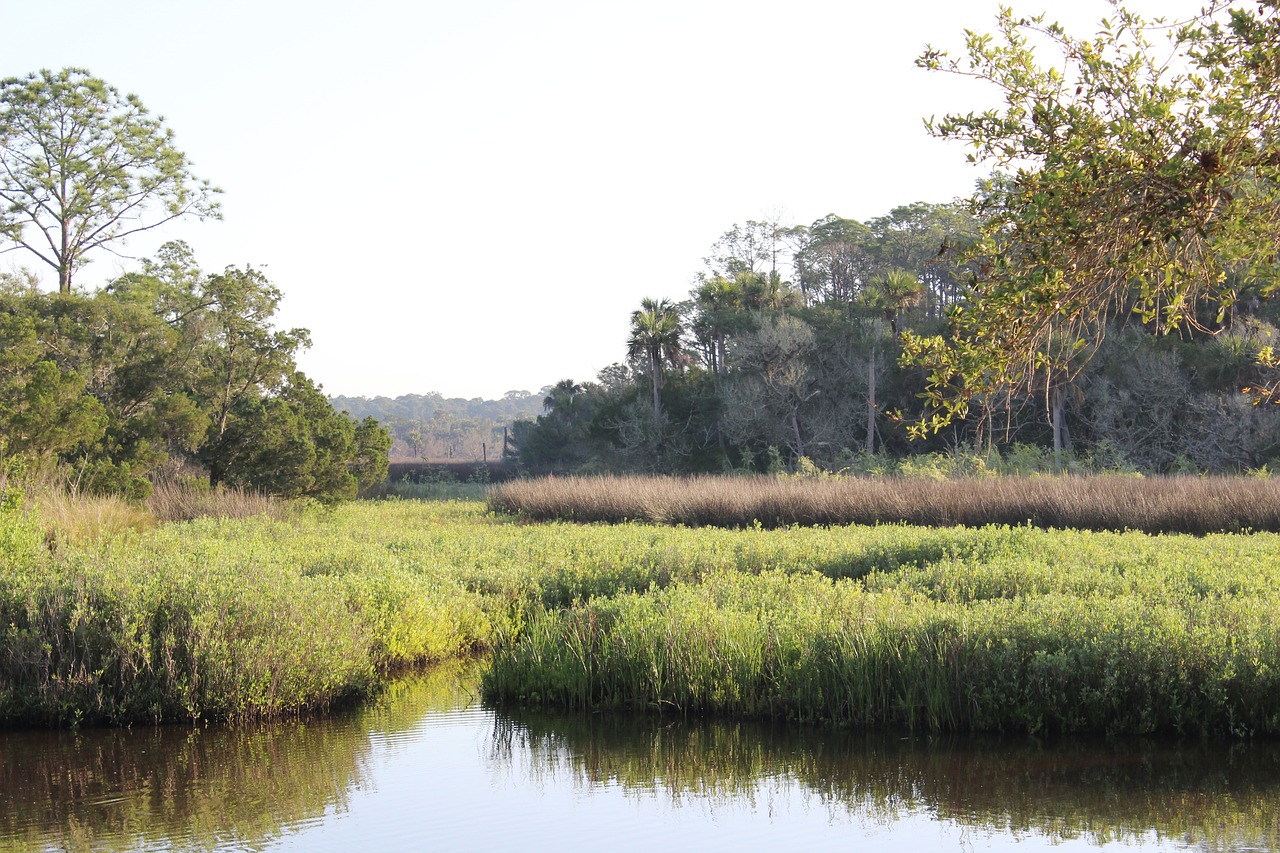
(184, 501)
(83, 517)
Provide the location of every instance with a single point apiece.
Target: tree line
(792, 349)
(433, 427)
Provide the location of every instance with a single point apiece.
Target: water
(430, 767)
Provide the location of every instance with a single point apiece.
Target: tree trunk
(871, 402)
(655, 375)
(1057, 418)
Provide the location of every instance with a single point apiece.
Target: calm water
(430, 767)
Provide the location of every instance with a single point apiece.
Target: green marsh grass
(217, 619)
(1009, 628)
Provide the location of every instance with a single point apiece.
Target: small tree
(82, 167)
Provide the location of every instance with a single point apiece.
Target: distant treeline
(430, 426)
(790, 354)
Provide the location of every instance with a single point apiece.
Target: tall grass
(83, 517)
(806, 649)
(430, 490)
(186, 500)
(1152, 504)
(215, 618)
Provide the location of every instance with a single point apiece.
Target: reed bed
(1192, 505)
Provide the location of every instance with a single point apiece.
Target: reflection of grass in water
(1211, 795)
(121, 789)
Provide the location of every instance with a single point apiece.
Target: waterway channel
(428, 766)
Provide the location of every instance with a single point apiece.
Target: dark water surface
(429, 767)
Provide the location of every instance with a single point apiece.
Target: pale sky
(471, 196)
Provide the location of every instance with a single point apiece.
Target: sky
(471, 196)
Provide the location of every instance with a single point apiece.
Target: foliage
(1139, 179)
(291, 444)
(166, 366)
(773, 374)
(655, 342)
(82, 168)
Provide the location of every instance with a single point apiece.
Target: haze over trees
(433, 427)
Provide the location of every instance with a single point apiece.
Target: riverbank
(217, 618)
(993, 628)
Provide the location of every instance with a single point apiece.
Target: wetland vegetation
(992, 628)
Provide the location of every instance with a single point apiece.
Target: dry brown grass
(1152, 504)
(80, 517)
(178, 501)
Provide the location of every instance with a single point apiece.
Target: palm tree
(893, 291)
(655, 336)
(766, 292)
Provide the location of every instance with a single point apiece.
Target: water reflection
(1206, 796)
(427, 765)
(209, 788)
